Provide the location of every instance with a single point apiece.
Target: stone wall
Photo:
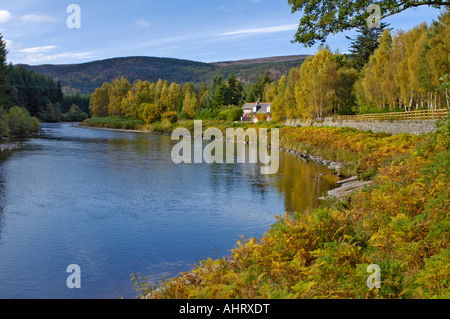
(392, 127)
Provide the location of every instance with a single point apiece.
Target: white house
(251, 110)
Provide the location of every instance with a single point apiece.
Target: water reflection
(116, 204)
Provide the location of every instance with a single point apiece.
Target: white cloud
(37, 18)
(45, 54)
(40, 49)
(288, 27)
(10, 45)
(65, 57)
(4, 16)
(141, 24)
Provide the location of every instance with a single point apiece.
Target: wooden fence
(408, 115)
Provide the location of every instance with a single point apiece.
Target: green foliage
(113, 122)
(18, 122)
(5, 87)
(206, 114)
(257, 89)
(170, 117)
(75, 114)
(322, 18)
(215, 98)
(365, 44)
(230, 115)
(141, 284)
(33, 91)
(152, 112)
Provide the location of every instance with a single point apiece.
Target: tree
(33, 90)
(345, 91)
(378, 82)
(20, 123)
(119, 91)
(438, 58)
(144, 93)
(190, 104)
(289, 101)
(152, 113)
(215, 97)
(315, 93)
(278, 109)
(188, 87)
(5, 87)
(257, 89)
(233, 91)
(365, 44)
(173, 97)
(321, 18)
(75, 114)
(202, 94)
(98, 105)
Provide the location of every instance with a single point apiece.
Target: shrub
(75, 114)
(169, 116)
(152, 113)
(230, 115)
(20, 123)
(205, 114)
(235, 114)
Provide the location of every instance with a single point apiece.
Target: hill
(275, 59)
(85, 77)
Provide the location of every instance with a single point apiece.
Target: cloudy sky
(36, 32)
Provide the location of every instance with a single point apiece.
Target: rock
(347, 180)
(348, 186)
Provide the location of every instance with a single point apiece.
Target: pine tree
(5, 87)
(215, 98)
(233, 91)
(257, 89)
(365, 44)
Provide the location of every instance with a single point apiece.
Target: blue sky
(201, 30)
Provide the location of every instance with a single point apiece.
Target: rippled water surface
(115, 204)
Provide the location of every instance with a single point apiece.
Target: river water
(114, 203)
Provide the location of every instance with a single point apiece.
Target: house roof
(262, 109)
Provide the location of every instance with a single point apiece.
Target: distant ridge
(275, 59)
(85, 77)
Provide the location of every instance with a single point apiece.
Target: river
(114, 203)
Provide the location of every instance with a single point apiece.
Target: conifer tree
(5, 87)
(365, 44)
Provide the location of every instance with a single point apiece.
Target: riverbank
(400, 223)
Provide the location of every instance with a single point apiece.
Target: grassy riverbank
(401, 223)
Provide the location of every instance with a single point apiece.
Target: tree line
(28, 97)
(152, 102)
(384, 72)
(43, 97)
(405, 71)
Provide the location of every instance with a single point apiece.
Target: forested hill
(86, 77)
